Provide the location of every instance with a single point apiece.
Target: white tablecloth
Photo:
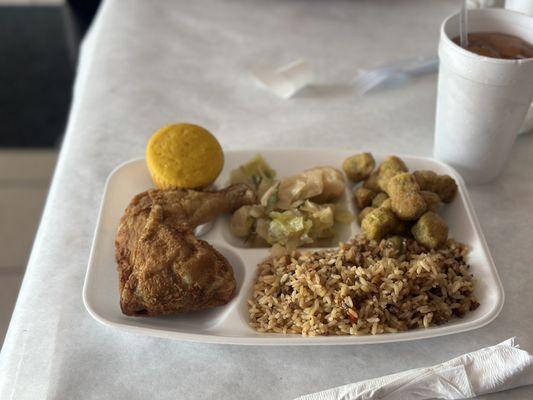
(147, 63)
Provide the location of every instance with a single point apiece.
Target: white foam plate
(229, 323)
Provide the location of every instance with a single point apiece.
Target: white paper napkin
(287, 80)
(488, 370)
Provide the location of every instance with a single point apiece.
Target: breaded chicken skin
(163, 268)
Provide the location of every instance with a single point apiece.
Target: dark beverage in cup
(483, 94)
(498, 45)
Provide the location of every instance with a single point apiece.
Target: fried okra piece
(401, 227)
(432, 200)
(386, 204)
(378, 223)
(430, 230)
(372, 182)
(447, 188)
(359, 167)
(363, 197)
(379, 199)
(394, 246)
(443, 185)
(406, 200)
(364, 213)
(390, 167)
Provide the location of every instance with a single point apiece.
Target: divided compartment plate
(229, 323)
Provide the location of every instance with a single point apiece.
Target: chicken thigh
(163, 268)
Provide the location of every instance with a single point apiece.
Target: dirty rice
(362, 287)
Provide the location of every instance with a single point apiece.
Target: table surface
(148, 63)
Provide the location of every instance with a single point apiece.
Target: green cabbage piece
(287, 226)
(322, 217)
(257, 173)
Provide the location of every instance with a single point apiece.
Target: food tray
(229, 323)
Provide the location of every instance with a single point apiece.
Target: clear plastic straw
(463, 25)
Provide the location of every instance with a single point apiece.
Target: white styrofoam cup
(523, 6)
(481, 101)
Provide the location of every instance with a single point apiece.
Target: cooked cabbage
(289, 214)
(256, 173)
(321, 217)
(270, 197)
(242, 221)
(333, 185)
(288, 226)
(321, 184)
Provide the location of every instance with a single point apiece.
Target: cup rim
(450, 43)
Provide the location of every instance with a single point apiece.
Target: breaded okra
(372, 182)
(406, 200)
(378, 223)
(443, 185)
(363, 197)
(359, 166)
(390, 167)
(364, 213)
(379, 199)
(430, 230)
(432, 200)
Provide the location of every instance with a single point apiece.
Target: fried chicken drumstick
(165, 269)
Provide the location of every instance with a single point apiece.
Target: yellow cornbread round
(184, 156)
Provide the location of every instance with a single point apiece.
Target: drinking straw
(463, 25)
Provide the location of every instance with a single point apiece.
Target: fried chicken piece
(163, 268)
